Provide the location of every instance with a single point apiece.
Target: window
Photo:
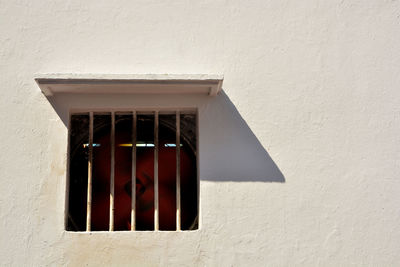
(133, 171)
(153, 151)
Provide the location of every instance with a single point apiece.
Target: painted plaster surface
(299, 156)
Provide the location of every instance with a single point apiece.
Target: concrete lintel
(51, 84)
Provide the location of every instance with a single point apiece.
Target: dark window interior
(78, 172)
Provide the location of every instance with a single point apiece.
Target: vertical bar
(90, 166)
(133, 189)
(156, 218)
(197, 170)
(112, 209)
(178, 171)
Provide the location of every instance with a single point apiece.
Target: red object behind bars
(144, 187)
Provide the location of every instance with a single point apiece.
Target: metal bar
(112, 174)
(156, 211)
(90, 167)
(178, 171)
(133, 189)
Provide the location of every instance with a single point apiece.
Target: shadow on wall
(229, 150)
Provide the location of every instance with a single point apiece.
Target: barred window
(133, 171)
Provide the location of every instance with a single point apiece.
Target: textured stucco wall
(312, 85)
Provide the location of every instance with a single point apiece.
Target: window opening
(133, 171)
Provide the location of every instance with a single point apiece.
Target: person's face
(144, 184)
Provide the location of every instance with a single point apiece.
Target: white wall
(317, 83)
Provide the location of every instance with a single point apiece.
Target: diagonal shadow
(229, 150)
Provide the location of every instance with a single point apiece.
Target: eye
(140, 188)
